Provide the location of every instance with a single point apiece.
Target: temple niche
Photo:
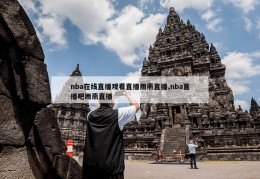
(223, 132)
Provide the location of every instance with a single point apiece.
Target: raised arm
(195, 143)
(131, 100)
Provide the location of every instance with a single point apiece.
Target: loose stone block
(37, 80)
(49, 133)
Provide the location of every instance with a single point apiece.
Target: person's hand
(127, 94)
(131, 100)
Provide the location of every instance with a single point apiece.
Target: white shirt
(125, 115)
(192, 148)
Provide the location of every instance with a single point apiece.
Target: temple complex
(71, 118)
(222, 132)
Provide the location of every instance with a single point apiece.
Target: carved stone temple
(222, 132)
(71, 118)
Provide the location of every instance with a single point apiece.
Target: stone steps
(174, 142)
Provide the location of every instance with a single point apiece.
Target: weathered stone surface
(49, 133)
(37, 80)
(29, 137)
(3, 89)
(16, 163)
(16, 70)
(11, 132)
(8, 83)
(21, 28)
(67, 167)
(39, 159)
(4, 77)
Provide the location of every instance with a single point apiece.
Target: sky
(112, 37)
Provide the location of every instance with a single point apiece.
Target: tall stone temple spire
(71, 116)
(180, 50)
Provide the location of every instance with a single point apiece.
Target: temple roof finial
(188, 22)
(76, 72)
(212, 48)
(172, 9)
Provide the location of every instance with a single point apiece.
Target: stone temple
(71, 118)
(222, 132)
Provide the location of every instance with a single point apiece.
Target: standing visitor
(159, 154)
(192, 150)
(104, 147)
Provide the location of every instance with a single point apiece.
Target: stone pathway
(207, 170)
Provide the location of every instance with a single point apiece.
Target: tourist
(159, 154)
(192, 151)
(104, 147)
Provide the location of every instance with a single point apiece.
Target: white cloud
(28, 5)
(88, 15)
(39, 35)
(255, 54)
(128, 32)
(238, 87)
(209, 14)
(131, 33)
(52, 29)
(136, 73)
(244, 105)
(245, 5)
(217, 45)
(259, 99)
(214, 25)
(239, 67)
(220, 47)
(248, 24)
(181, 5)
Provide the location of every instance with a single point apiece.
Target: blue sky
(112, 37)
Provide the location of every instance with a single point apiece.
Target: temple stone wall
(30, 139)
